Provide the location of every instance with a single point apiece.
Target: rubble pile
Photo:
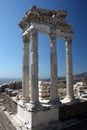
(11, 88)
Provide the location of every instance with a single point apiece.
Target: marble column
(53, 64)
(34, 67)
(25, 73)
(69, 70)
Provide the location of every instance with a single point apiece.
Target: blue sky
(12, 11)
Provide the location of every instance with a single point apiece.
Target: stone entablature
(50, 18)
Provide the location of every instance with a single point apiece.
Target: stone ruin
(32, 113)
(52, 23)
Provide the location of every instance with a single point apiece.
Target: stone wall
(11, 85)
(66, 111)
(69, 111)
(44, 90)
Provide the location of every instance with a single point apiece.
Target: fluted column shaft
(53, 63)
(69, 69)
(25, 73)
(34, 67)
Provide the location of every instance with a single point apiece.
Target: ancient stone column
(69, 70)
(53, 63)
(34, 67)
(25, 73)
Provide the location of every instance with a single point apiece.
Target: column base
(69, 99)
(54, 101)
(34, 105)
(25, 100)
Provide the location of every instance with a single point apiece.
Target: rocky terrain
(5, 123)
(79, 85)
(13, 89)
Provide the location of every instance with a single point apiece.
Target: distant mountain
(76, 76)
(82, 75)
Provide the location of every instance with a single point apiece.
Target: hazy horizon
(7, 78)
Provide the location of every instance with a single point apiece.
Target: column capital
(26, 38)
(68, 39)
(52, 35)
(34, 32)
(52, 30)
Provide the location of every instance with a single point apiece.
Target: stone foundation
(40, 116)
(45, 116)
(75, 110)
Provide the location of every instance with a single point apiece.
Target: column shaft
(69, 70)
(34, 67)
(53, 63)
(25, 75)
